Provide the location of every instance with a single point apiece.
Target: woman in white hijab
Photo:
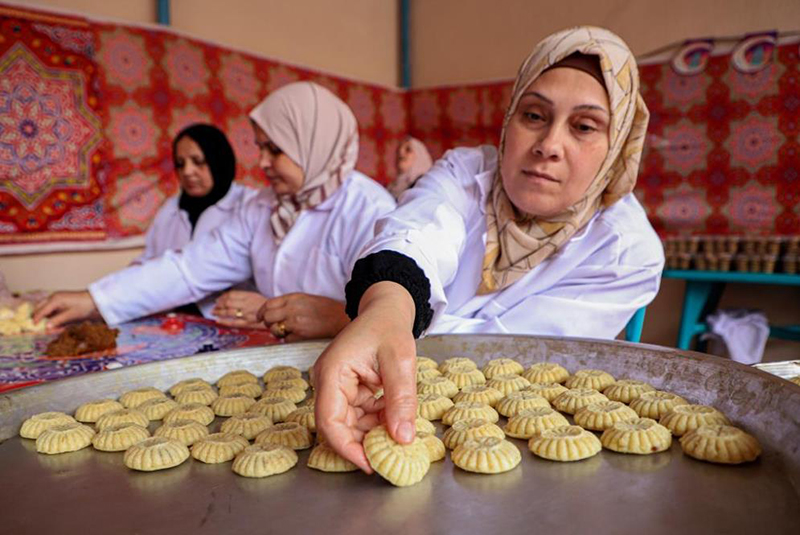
(541, 235)
(413, 161)
(297, 239)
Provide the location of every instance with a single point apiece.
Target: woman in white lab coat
(297, 239)
(542, 235)
(206, 166)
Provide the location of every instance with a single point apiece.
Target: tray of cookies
(514, 433)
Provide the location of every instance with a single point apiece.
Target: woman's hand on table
(239, 309)
(376, 350)
(300, 316)
(63, 307)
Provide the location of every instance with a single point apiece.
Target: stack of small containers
(762, 254)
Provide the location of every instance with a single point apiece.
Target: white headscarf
(314, 128)
(421, 165)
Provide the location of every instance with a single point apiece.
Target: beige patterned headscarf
(320, 134)
(516, 244)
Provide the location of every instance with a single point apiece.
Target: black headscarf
(221, 161)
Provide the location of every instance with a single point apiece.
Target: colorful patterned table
(23, 361)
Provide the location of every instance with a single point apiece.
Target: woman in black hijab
(205, 165)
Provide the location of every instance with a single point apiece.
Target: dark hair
(221, 161)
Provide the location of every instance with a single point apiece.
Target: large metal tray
(92, 492)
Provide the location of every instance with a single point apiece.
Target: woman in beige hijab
(298, 239)
(413, 161)
(541, 235)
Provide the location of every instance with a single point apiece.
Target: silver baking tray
(89, 492)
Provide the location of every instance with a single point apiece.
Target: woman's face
(193, 171)
(555, 142)
(405, 157)
(285, 176)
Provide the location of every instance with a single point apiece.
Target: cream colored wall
(456, 41)
(353, 38)
(62, 271)
(127, 10)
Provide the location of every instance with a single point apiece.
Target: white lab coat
(316, 257)
(171, 229)
(590, 288)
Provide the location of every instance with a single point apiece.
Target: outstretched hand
(377, 350)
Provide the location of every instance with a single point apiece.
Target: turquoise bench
(703, 292)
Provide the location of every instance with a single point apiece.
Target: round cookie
(437, 385)
(655, 404)
(546, 372)
(218, 447)
(179, 387)
(63, 438)
(190, 411)
(435, 446)
(400, 464)
(297, 382)
(120, 417)
(597, 379)
(155, 453)
(247, 425)
(467, 410)
(305, 417)
(641, 436)
(325, 459)
(601, 415)
(463, 430)
(280, 373)
(502, 366)
(565, 444)
(549, 391)
(119, 438)
(433, 406)
(421, 425)
(289, 434)
(518, 401)
(684, 418)
(39, 423)
(626, 390)
(507, 383)
(276, 409)
(530, 422)
(480, 393)
(245, 387)
(155, 409)
(263, 460)
(425, 363)
(236, 377)
(293, 393)
(134, 398)
(486, 455)
(187, 432)
(573, 400)
(427, 373)
(456, 361)
(204, 395)
(91, 411)
(723, 444)
(464, 375)
(232, 404)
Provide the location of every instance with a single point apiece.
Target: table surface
(666, 493)
(23, 361)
